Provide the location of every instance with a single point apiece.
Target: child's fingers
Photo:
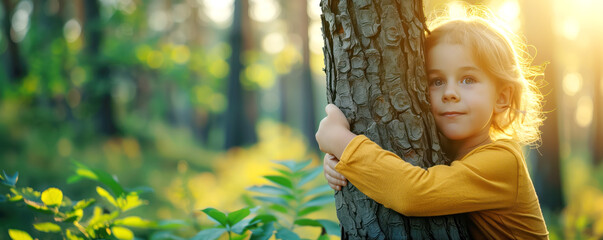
(335, 175)
(335, 187)
(335, 181)
(329, 167)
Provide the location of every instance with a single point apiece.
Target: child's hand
(334, 178)
(333, 133)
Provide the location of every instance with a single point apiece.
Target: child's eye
(468, 80)
(437, 82)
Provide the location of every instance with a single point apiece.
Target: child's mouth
(451, 114)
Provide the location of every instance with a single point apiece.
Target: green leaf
(274, 200)
(241, 226)
(122, 233)
(37, 206)
(98, 175)
(331, 227)
(106, 195)
(16, 234)
(269, 189)
(307, 222)
(10, 181)
(286, 234)
(279, 208)
(3, 198)
(52, 197)
(309, 176)
(308, 210)
(134, 221)
(301, 165)
(323, 237)
(129, 202)
(72, 236)
(47, 227)
(285, 172)
(71, 216)
(317, 190)
(84, 203)
(319, 201)
(264, 218)
(262, 233)
(280, 180)
(290, 164)
(212, 233)
(100, 219)
(214, 214)
(240, 237)
(29, 193)
(236, 216)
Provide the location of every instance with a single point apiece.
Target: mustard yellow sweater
(491, 184)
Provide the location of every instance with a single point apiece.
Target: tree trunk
(375, 74)
(14, 64)
(307, 102)
(239, 127)
(99, 89)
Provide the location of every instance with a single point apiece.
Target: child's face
(462, 95)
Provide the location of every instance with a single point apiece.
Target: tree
(14, 64)
(375, 74)
(239, 126)
(98, 91)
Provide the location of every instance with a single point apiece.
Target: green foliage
(71, 219)
(287, 202)
(285, 205)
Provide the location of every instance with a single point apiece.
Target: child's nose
(450, 94)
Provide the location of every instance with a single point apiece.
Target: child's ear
(503, 100)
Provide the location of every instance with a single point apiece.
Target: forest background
(173, 96)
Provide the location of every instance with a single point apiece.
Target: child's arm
(485, 179)
(334, 133)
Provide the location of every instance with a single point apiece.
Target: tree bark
(375, 74)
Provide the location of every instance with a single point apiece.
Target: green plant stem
(81, 228)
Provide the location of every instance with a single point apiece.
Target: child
(484, 104)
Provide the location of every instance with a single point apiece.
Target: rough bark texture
(375, 74)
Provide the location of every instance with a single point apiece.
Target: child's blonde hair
(504, 56)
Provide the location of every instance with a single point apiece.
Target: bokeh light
(220, 12)
(273, 42)
(572, 83)
(72, 30)
(584, 111)
(264, 10)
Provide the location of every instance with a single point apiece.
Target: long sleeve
(486, 178)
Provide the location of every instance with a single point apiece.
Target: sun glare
(456, 10)
(508, 11)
